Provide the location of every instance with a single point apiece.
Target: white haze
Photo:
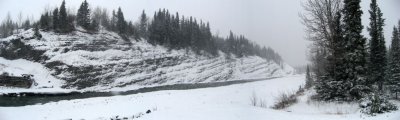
(273, 23)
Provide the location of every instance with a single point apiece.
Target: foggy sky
(273, 23)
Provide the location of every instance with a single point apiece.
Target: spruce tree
(121, 23)
(154, 29)
(231, 42)
(27, 24)
(83, 15)
(143, 25)
(56, 21)
(329, 86)
(45, 21)
(356, 51)
(63, 18)
(377, 57)
(393, 82)
(130, 29)
(37, 34)
(94, 25)
(309, 81)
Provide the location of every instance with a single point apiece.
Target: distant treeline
(170, 30)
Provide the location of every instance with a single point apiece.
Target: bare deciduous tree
(319, 20)
(19, 21)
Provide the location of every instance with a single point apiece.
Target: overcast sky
(273, 23)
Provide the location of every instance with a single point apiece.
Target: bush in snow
(376, 104)
(284, 100)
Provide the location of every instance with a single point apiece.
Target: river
(23, 99)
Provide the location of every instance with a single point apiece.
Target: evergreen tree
(121, 23)
(231, 43)
(377, 57)
(329, 85)
(152, 30)
(94, 25)
(83, 15)
(45, 21)
(130, 30)
(339, 52)
(157, 33)
(37, 32)
(356, 51)
(27, 24)
(211, 47)
(191, 32)
(176, 32)
(63, 18)
(56, 21)
(393, 82)
(309, 81)
(143, 25)
(113, 21)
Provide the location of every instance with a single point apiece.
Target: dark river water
(23, 99)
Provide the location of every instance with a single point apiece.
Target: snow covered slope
(220, 103)
(104, 61)
(41, 74)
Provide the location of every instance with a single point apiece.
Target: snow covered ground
(220, 103)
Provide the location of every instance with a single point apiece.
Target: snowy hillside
(104, 61)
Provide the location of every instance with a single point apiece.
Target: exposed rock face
(105, 61)
(15, 81)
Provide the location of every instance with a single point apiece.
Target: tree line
(177, 32)
(164, 28)
(346, 65)
(9, 27)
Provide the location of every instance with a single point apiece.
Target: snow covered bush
(376, 104)
(284, 100)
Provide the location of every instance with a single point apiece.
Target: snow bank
(220, 103)
(229, 102)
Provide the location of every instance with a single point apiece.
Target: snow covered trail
(219, 103)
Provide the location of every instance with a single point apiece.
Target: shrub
(284, 100)
(376, 104)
